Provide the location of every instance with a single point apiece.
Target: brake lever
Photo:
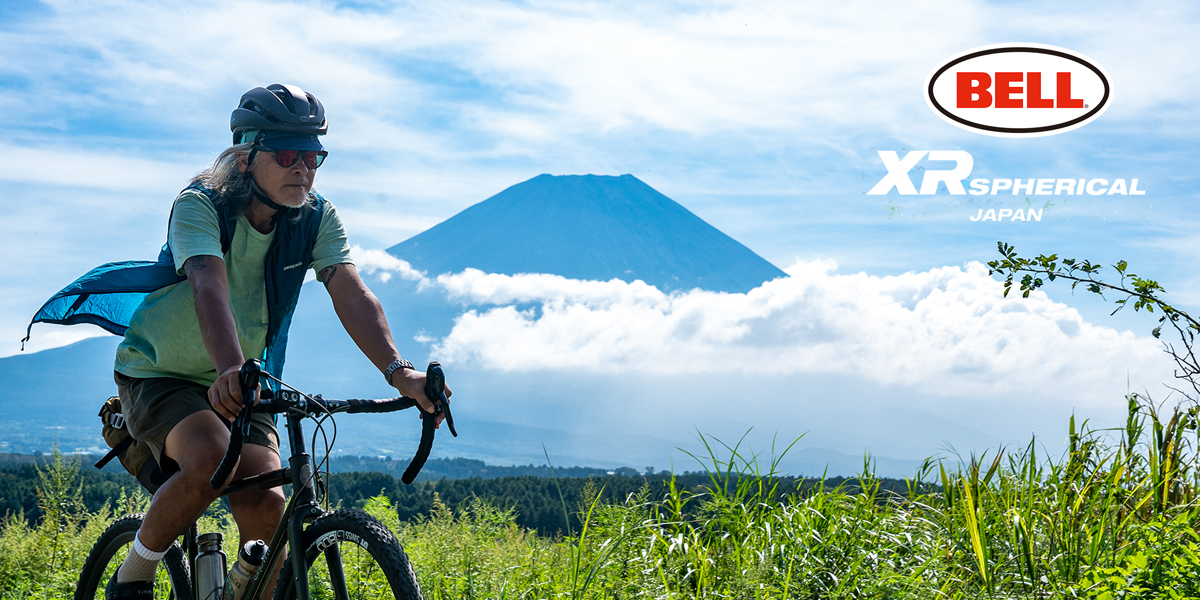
(435, 389)
(248, 379)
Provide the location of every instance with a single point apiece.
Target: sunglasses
(286, 158)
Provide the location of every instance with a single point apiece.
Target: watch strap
(396, 364)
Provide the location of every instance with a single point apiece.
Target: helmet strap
(262, 196)
(257, 190)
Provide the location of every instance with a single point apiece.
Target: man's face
(288, 186)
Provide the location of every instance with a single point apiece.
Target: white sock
(140, 564)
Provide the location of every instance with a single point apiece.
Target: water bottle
(210, 567)
(249, 560)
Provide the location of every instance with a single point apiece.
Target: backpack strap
(115, 452)
(226, 221)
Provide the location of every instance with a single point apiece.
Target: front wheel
(351, 555)
(109, 552)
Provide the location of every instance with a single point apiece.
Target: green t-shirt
(163, 339)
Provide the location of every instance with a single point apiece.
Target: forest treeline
(465, 468)
(539, 503)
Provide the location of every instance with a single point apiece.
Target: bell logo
(974, 91)
(1018, 90)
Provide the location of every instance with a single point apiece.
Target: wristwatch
(396, 364)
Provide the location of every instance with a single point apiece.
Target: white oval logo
(1018, 90)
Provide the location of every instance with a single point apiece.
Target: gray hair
(230, 184)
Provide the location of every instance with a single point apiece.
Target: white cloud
(541, 74)
(93, 168)
(371, 262)
(944, 331)
(759, 65)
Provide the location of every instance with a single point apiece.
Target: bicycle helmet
(278, 108)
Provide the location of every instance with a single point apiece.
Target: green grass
(1115, 516)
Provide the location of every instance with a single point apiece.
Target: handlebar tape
(428, 423)
(380, 406)
(435, 389)
(248, 378)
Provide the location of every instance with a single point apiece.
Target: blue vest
(109, 294)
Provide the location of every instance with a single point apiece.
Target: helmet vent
(279, 108)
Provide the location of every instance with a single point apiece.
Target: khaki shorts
(154, 406)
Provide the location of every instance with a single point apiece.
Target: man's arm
(210, 293)
(362, 316)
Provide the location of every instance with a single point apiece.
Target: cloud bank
(947, 331)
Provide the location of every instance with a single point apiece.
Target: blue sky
(764, 118)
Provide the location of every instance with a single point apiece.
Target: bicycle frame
(295, 532)
(301, 509)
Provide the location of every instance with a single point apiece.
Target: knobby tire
(96, 570)
(374, 564)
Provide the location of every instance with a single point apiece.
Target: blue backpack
(109, 294)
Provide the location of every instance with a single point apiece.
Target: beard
(288, 189)
(293, 200)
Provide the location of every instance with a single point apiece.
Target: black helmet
(277, 107)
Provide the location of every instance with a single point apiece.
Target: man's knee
(257, 460)
(198, 443)
(258, 503)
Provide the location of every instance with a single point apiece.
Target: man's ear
(241, 162)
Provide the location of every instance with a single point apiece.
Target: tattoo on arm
(195, 263)
(326, 274)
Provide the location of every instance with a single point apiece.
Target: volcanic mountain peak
(594, 227)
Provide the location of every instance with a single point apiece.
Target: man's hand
(411, 383)
(225, 394)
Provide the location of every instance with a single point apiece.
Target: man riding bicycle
(243, 233)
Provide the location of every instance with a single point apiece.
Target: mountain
(589, 227)
(56, 394)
